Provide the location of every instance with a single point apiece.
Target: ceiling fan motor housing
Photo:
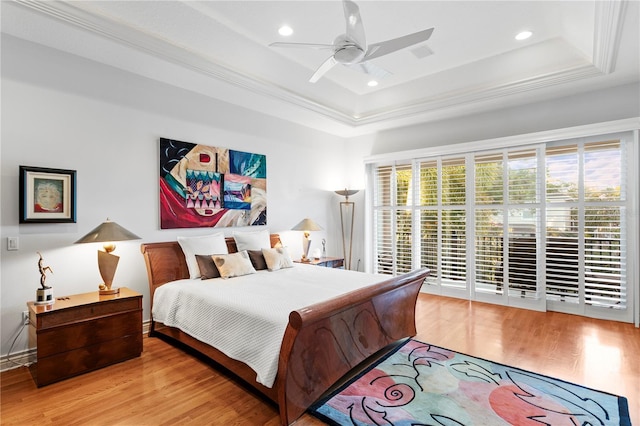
(348, 55)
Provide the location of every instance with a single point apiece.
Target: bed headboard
(165, 261)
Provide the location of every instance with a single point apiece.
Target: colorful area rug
(422, 384)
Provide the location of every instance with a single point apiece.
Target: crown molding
(607, 30)
(479, 95)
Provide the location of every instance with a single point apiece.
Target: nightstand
(84, 332)
(327, 262)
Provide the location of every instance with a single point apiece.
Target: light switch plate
(12, 243)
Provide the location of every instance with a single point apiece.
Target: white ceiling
(220, 48)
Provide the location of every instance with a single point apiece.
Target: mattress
(246, 317)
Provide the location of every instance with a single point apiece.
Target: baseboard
(146, 325)
(16, 360)
(28, 356)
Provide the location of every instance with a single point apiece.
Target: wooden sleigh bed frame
(322, 342)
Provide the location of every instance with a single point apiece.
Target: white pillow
(277, 258)
(207, 245)
(234, 264)
(252, 240)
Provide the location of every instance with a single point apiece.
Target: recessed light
(372, 83)
(524, 35)
(285, 30)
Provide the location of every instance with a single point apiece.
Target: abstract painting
(206, 186)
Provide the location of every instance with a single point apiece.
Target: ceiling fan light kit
(351, 48)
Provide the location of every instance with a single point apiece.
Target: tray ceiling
(471, 62)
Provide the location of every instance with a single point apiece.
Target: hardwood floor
(165, 386)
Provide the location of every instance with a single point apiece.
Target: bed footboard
(325, 341)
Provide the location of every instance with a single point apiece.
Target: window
(586, 224)
(534, 226)
(507, 212)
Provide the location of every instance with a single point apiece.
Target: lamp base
(108, 291)
(305, 259)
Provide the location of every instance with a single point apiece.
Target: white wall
(66, 112)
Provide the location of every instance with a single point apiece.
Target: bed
(322, 342)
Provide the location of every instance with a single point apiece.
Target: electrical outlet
(25, 317)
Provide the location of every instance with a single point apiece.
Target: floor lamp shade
(108, 233)
(347, 217)
(306, 226)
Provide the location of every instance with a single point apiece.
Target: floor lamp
(347, 215)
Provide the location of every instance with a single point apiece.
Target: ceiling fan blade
(355, 29)
(326, 66)
(302, 45)
(372, 70)
(385, 47)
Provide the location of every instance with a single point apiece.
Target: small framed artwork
(47, 195)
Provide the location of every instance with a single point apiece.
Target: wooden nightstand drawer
(94, 310)
(86, 333)
(68, 364)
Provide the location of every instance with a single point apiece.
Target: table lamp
(306, 225)
(107, 232)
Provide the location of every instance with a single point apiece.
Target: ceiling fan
(351, 48)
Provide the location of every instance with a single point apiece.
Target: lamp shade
(108, 231)
(347, 192)
(307, 225)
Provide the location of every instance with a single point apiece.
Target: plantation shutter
(562, 226)
(604, 225)
(489, 223)
(453, 234)
(429, 202)
(586, 226)
(383, 225)
(393, 219)
(526, 279)
(506, 233)
(403, 219)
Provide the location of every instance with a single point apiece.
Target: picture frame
(47, 195)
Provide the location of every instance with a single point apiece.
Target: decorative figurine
(324, 248)
(44, 295)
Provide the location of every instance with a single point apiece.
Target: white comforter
(246, 317)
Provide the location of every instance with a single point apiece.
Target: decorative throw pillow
(252, 240)
(207, 267)
(206, 244)
(257, 259)
(277, 258)
(234, 264)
